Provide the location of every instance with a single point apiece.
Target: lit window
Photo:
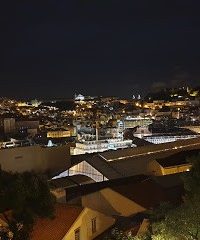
(94, 225)
(77, 234)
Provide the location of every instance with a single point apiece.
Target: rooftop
(144, 190)
(177, 159)
(55, 229)
(69, 181)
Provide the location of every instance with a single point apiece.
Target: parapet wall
(49, 160)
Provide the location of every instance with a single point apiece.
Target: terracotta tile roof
(55, 229)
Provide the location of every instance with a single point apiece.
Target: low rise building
(126, 162)
(27, 124)
(131, 122)
(100, 146)
(128, 197)
(72, 223)
(176, 163)
(50, 160)
(58, 133)
(165, 138)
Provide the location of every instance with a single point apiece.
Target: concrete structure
(49, 160)
(9, 125)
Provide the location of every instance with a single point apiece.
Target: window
(94, 225)
(77, 234)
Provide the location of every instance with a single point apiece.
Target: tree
(180, 222)
(28, 196)
(192, 178)
(116, 234)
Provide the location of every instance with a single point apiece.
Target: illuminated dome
(79, 97)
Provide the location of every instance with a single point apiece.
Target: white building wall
(100, 146)
(86, 169)
(166, 139)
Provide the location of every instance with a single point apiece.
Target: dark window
(94, 225)
(77, 234)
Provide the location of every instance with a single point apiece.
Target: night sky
(55, 48)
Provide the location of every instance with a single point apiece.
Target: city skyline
(97, 48)
(99, 120)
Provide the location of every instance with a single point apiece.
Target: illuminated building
(127, 162)
(58, 133)
(100, 146)
(79, 97)
(142, 132)
(132, 122)
(158, 139)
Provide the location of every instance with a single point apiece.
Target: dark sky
(55, 48)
